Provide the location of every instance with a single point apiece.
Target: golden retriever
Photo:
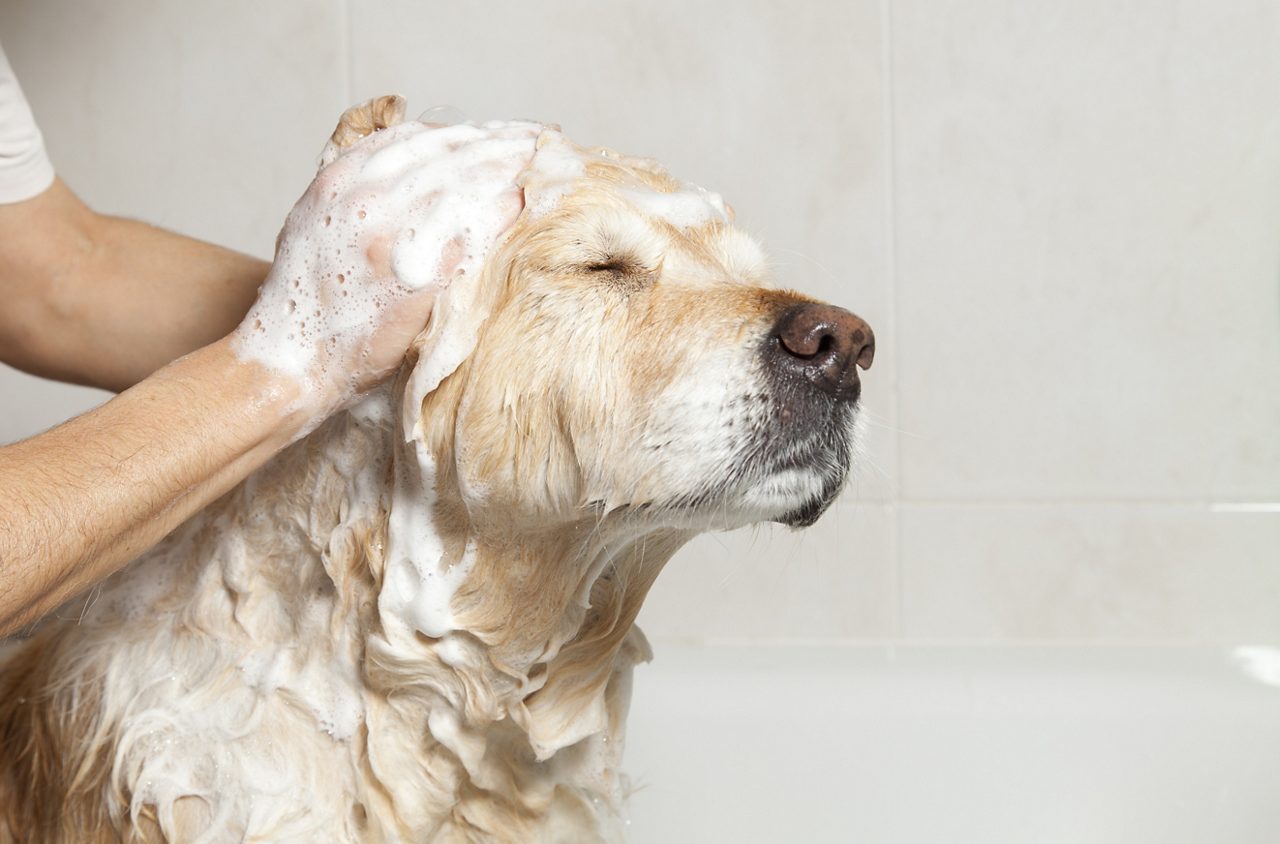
(417, 623)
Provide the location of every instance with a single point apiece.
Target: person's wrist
(278, 404)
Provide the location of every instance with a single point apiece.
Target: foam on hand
(402, 213)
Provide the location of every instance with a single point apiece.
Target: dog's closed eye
(624, 271)
(613, 264)
(619, 249)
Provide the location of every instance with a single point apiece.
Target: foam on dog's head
(460, 310)
(559, 166)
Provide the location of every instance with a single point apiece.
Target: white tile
(834, 580)
(29, 405)
(1090, 572)
(777, 107)
(1088, 196)
(205, 118)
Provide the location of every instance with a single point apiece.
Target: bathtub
(936, 745)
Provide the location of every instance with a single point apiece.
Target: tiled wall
(1063, 219)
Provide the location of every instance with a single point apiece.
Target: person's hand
(388, 222)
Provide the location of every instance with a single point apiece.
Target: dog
(418, 622)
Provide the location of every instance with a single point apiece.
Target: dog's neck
(489, 695)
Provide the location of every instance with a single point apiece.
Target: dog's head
(617, 377)
(627, 355)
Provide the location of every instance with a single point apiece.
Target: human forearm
(166, 295)
(106, 301)
(85, 498)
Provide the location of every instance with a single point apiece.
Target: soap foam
(418, 586)
(686, 209)
(555, 170)
(560, 164)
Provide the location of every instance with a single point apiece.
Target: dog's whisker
(875, 467)
(823, 268)
(872, 421)
(89, 599)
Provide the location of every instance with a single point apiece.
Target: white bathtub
(890, 745)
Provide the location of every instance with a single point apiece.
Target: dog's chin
(812, 508)
(792, 486)
(805, 487)
(807, 514)
(794, 497)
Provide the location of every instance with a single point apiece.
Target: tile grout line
(1209, 504)
(891, 270)
(958, 643)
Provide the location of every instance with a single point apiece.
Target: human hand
(388, 222)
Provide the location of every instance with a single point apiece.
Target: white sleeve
(24, 167)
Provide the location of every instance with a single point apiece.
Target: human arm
(105, 301)
(91, 494)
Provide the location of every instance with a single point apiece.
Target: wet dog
(417, 623)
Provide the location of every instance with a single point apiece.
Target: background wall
(1062, 219)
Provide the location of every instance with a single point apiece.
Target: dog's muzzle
(811, 358)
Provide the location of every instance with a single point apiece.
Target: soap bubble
(444, 115)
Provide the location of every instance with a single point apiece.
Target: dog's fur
(258, 675)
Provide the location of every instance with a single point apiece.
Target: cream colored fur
(567, 422)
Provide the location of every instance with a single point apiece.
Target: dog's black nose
(825, 345)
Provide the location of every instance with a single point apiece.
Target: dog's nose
(825, 345)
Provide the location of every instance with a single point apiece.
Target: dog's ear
(461, 308)
(449, 339)
(361, 120)
(557, 164)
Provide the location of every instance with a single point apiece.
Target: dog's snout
(826, 345)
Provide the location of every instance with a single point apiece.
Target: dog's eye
(621, 271)
(614, 266)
